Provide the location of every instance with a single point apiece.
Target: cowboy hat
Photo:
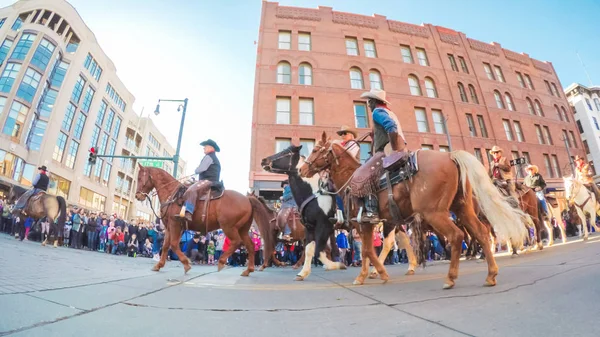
(376, 94)
(285, 182)
(496, 149)
(578, 158)
(43, 168)
(532, 168)
(346, 129)
(211, 143)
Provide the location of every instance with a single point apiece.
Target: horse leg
(300, 261)
(583, 223)
(404, 243)
(364, 267)
(308, 257)
(592, 210)
(249, 247)
(235, 243)
(388, 243)
(323, 234)
(177, 250)
(164, 250)
(443, 225)
(550, 231)
(267, 255)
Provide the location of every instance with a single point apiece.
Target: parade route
(47, 291)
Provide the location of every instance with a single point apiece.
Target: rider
(350, 145)
(535, 181)
(40, 183)
(208, 172)
(288, 204)
(502, 171)
(584, 174)
(386, 129)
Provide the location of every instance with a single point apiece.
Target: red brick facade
(333, 96)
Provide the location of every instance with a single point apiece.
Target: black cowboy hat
(285, 182)
(211, 143)
(43, 168)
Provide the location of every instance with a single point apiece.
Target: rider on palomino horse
(288, 207)
(208, 172)
(584, 174)
(386, 129)
(40, 184)
(535, 181)
(502, 171)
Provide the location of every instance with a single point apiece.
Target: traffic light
(92, 157)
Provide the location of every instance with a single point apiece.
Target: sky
(205, 50)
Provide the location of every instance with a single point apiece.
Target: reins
(150, 195)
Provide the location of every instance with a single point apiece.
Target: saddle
(551, 200)
(402, 170)
(215, 192)
(37, 196)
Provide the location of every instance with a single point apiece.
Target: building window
(29, 85)
(548, 135)
(564, 114)
(548, 167)
(473, 93)
(79, 125)
(529, 82)
(452, 62)
(518, 131)
(36, 134)
(520, 79)
(361, 120)
(499, 74)
(566, 138)
(596, 123)
(8, 76)
(285, 39)
(284, 112)
(77, 90)
(406, 54)
(42, 55)
(15, 120)
(72, 154)
(548, 88)
(58, 74)
(482, 127)
(529, 106)
(558, 113)
(538, 108)
(527, 158)
(370, 48)
(117, 128)
(430, 88)
(307, 147)
(463, 94)
(4, 49)
(375, 79)
(587, 101)
(507, 129)
(351, 46)
(579, 128)
(92, 200)
(538, 132)
(586, 147)
(478, 155)
(422, 57)
(596, 103)
(103, 141)
(98, 170)
(87, 99)
(282, 144)
(463, 64)
(438, 122)
(95, 136)
(307, 111)
(426, 147)
(23, 46)
(555, 166)
(365, 149)
(17, 24)
(305, 74)
(421, 118)
(59, 148)
(555, 90)
(284, 73)
(59, 186)
(68, 119)
(356, 80)
(303, 41)
(488, 71)
(47, 103)
(573, 140)
(413, 84)
(101, 113)
(499, 102)
(471, 124)
(109, 120)
(509, 102)
(444, 148)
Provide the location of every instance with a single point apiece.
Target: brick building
(313, 64)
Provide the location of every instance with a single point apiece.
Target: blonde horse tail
(506, 220)
(418, 239)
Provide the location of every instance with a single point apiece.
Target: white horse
(584, 201)
(556, 213)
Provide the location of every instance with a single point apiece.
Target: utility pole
(566, 141)
(444, 120)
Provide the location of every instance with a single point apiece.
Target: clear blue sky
(204, 50)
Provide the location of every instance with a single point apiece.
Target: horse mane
(263, 201)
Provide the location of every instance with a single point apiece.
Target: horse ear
(140, 166)
(324, 137)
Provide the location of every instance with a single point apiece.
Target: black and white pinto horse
(315, 209)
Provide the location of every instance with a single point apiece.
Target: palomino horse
(44, 205)
(584, 201)
(445, 182)
(528, 202)
(232, 212)
(315, 208)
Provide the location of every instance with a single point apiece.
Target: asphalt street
(64, 292)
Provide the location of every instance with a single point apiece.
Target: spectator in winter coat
(142, 234)
(342, 242)
(92, 233)
(195, 249)
(132, 245)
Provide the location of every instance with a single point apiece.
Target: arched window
(305, 74)
(509, 102)
(473, 94)
(356, 79)
(530, 106)
(564, 113)
(430, 88)
(413, 83)
(284, 73)
(463, 94)
(538, 108)
(499, 102)
(558, 112)
(375, 79)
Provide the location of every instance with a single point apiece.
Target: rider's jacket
(583, 174)
(210, 168)
(42, 182)
(534, 181)
(503, 171)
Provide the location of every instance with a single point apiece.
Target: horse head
(144, 183)
(572, 187)
(282, 162)
(319, 159)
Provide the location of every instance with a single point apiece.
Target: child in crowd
(148, 248)
(110, 236)
(210, 250)
(132, 246)
(103, 235)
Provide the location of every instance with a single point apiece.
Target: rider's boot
(372, 210)
(186, 212)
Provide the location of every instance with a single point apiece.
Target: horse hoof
(448, 286)
(514, 255)
(540, 247)
(299, 278)
(295, 267)
(245, 273)
(342, 266)
(585, 238)
(357, 283)
(373, 276)
(489, 283)
(261, 268)
(221, 266)
(155, 268)
(186, 268)
(410, 272)
(384, 277)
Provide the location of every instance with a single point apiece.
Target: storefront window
(29, 172)
(59, 186)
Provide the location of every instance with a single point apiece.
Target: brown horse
(444, 182)
(232, 212)
(529, 203)
(44, 205)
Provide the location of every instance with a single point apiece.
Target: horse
(555, 207)
(315, 209)
(444, 182)
(584, 201)
(529, 203)
(232, 212)
(43, 205)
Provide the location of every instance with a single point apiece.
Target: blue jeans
(92, 237)
(540, 196)
(357, 245)
(218, 254)
(120, 247)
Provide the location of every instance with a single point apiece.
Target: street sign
(151, 163)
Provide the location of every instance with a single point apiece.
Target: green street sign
(151, 163)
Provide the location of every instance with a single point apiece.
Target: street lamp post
(445, 120)
(184, 106)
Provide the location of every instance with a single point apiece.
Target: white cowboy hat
(496, 149)
(376, 94)
(346, 129)
(533, 168)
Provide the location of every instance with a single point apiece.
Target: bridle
(573, 194)
(329, 150)
(148, 196)
(290, 167)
